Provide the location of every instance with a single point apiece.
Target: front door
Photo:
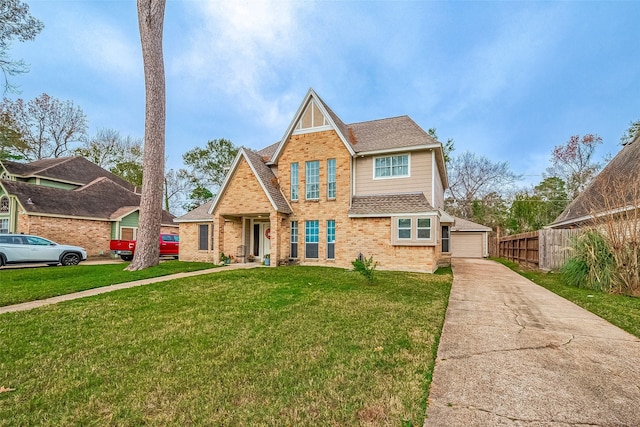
(261, 239)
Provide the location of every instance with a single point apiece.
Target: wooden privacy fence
(547, 249)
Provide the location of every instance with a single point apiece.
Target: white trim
(393, 215)
(433, 177)
(311, 130)
(193, 220)
(310, 94)
(396, 150)
(591, 217)
(408, 175)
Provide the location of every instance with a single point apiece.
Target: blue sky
(507, 80)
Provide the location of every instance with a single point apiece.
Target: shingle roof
(388, 204)
(99, 199)
(462, 224)
(268, 179)
(395, 132)
(622, 172)
(199, 214)
(75, 169)
(268, 151)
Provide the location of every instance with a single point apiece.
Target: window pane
(404, 223)
(294, 239)
(331, 178)
(203, 237)
(4, 225)
(331, 231)
(311, 239)
(404, 228)
(313, 179)
(424, 233)
(294, 181)
(424, 222)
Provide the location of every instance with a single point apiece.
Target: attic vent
(4, 204)
(29, 201)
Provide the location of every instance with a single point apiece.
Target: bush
(365, 266)
(593, 265)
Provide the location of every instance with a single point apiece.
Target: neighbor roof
(621, 173)
(462, 224)
(76, 169)
(389, 204)
(199, 214)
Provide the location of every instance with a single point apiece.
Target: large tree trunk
(150, 21)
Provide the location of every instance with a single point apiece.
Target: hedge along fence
(547, 249)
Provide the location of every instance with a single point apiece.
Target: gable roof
(76, 170)
(99, 199)
(390, 204)
(265, 176)
(621, 173)
(199, 214)
(370, 137)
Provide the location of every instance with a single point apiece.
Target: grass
(620, 310)
(287, 346)
(29, 284)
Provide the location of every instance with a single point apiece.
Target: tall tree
(48, 127)
(574, 162)
(447, 147)
(532, 210)
(209, 165)
(473, 178)
(11, 142)
(16, 23)
(150, 22)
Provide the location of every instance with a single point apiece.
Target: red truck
(169, 244)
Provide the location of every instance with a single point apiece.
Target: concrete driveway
(514, 354)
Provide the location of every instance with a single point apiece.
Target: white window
(404, 228)
(294, 181)
(423, 228)
(331, 239)
(312, 179)
(4, 225)
(311, 238)
(294, 240)
(391, 166)
(331, 179)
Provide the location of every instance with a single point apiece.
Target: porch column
(275, 222)
(218, 237)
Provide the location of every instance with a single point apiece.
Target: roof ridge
(64, 160)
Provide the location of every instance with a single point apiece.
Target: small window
(445, 238)
(331, 239)
(404, 228)
(312, 179)
(4, 204)
(391, 166)
(294, 240)
(311, 238)
(203, 237)
(4, 225)
(294, 181)
(331, 179)
(424, 228)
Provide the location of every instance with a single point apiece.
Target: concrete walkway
(514, 354)
(96, 291)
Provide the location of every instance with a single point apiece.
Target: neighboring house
(469, 239)
(70, 200)
(196, 234)
(328, 192)
(614, 190)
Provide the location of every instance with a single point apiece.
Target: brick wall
(189, 241)
(94, 236)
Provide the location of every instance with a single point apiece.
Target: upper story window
(4, 204)
(312, 179)
(311, 120)
(331, 179)
(391, 166)
(294, 181)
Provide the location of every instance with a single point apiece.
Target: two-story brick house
(328, 191)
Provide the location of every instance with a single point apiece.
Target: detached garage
(469, 240)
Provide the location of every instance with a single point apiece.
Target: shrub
(365, 266)
(593, 264)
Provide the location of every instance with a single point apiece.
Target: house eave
(396, 150)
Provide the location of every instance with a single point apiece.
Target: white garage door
(466, 244)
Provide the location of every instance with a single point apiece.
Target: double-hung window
(4, 225)
(294, 181)
(311, 238)
(423, 228)
(331, 239)
(312, 179)
(404, 228)
(294, 240)
(331, 179)
(391, 166)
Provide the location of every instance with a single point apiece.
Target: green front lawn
(620, 310)
(29, 284)
(287, 346)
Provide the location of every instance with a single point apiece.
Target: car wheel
(70, 258)
(126, 257)
(1, 260)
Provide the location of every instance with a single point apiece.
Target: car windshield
(33, 240)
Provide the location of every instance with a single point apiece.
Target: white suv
(23, 248)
